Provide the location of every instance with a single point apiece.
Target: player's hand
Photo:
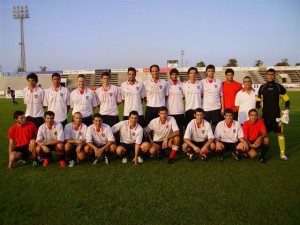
(135, 160)
(45, 149)
(165, 144)
(219, 146)
(197, 149)
(98, 152)
(257, 142)
(9, 166)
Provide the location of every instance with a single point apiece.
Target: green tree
(284, 62)
(297, 64)
(200, 64)
(258, 63)
(43, 68)
(232, 63)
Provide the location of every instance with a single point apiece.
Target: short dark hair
(271, 70)
(192, 68)
(163, 108)
(252, 110)
(199, 110)
(135, 113)
(81, 75)
(247, 77)
(97, 115)
(32, 76)
(105, 74)
(229, 70)
(210, 66)
(55, 75)
(49, 113)
(131, 69)
(174, 70)
(228, 111)
(17, 114)
(154, 65)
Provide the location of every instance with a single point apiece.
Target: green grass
(245, 192)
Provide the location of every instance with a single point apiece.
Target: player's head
(105, 77)
(247, 82)
(133, 117)
(131, 72)
(229, 74)
(49, 117)
(174, 74)
(192, 73)
(32, 78)
(271, 74)
(199, 113)
(77, 118)
(154, 70)
(55, 78)
(253, 115)
(228, 115)
(97, 120)
(81, 81)
(19, 117)
(210, 70)
(163, 112)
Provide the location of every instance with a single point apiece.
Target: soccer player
(83, 100)
(33, 99)
(213, 103)
(57, 100)
(11, 92)
(165, 135)
(21, 139)
(131, 137)
(100, 139)
(192, 90)
(109, 97)
(75, 137)
(198, 137)
(132, 92)
(174, 101)
(270, 94)
(255, 134)
(50, 137)
(229, 137)
(230, 89)
(156, 93)
(245, 100)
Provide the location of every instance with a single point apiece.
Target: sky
(99, 34)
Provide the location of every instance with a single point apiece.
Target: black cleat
(171, 161)
(236, 156)
(220, 158)
(203, 157)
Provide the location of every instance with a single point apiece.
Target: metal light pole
(182, 53)
(21, 13)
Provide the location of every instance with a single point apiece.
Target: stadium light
(21, 13)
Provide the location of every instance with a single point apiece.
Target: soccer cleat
(140, 160)
(106, 160)
(245, 155)
(236, 156)
(40, 158)
(72, 163)
(203, 157)
(124, 160)
(46, 162)
(171, 161)
(21, 161)
(35, 163)
(191, 157)
(262, 160)
(62, 163)
(220, 158)
(95, 161)
(284, 158)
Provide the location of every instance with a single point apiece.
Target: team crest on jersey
(110, 94)
(61, 94)
(137, 88)
(234, 131)
(180, 88)
(133, 134)
(55, 133)
(202, 131)
(216, 86)
(103, 135)
(198, 87)
(36, 96)
(87, 97)
(160, 86)
(167, 126)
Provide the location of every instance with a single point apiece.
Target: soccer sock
(189, 151)
(281, 142)
(61, 156)
(264, 150)
(174, 151)
(47, 155)
(71, 155)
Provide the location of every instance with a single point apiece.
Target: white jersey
(162, 130)
(34, 102)
(58, 102)
(55, 133)
(174, 101)
(212, 91)
(71, 133)
(83, 103)
(129, 135)
(156, 92)
(245, 102)
(132, 95)
(197, 133)
(229, 134)
(192, 93)
(101, 136)
(109, 99)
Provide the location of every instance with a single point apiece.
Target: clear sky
(95, 34)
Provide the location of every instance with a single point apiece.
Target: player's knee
(145, 146)
(266, 141)
(252, 153)
(212, 146)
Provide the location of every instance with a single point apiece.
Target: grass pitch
(245, 192)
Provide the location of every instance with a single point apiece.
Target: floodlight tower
(21, 13)
(182, 53)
